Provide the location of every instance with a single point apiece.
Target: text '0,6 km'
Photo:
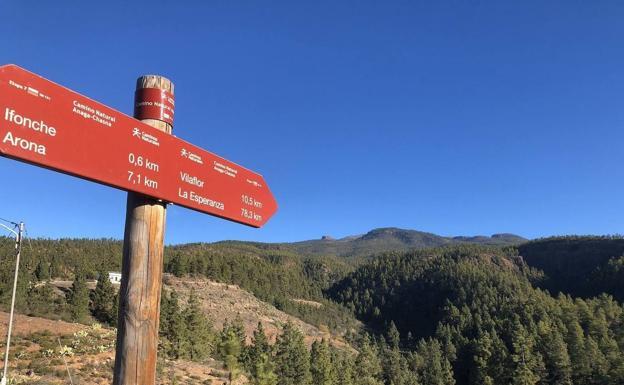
(51, 126)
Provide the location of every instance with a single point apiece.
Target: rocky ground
(48, 352)
(223, 302)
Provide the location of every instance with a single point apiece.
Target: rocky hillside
(41, 346)
(222, 302)
(47, 352)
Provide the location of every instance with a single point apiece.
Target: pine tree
(40, 299)
(229, 349)
(259, 347)
(23, 284)
(264, 372)
(481, 358)
(411, 341)
(175, 330)
(199, 330)
(367, 365)
(102, 305)
(575, 342)
(447, 371)
(523, 357)
(178, 265)
(79, 298)
(7, 271)
(437, 369)
(393, 337)
(498, 360)
(615, 358)
(239, 329)
(321, 367)
(163, 323)
(345, 369)
(238, 326)
(42, 272)
(555, 353)
(55, 270)
(115, 311)
(260, 340)
(395, 368)
(445, 335)
(599, 366)
(619, 332)
(291, 357)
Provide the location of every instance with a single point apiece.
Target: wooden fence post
(142, 268)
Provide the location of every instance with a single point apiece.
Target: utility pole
(142, 264)
(18, 247)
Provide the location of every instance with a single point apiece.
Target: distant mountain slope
(394, 239)
(384, 289)
(578, 265)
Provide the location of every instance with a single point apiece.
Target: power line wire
(15, 225)
(8, 221)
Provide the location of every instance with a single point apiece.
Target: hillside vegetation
(481, 310)
(284, 275)
(579, 266)
(478, 310)
(279, 277)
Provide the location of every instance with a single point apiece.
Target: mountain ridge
(381, 240)
(386, 239)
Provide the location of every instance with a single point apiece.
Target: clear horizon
(334, 237)
(449, 118)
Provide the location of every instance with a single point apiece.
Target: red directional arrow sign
(51, 126)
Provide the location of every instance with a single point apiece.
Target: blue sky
(452, 117)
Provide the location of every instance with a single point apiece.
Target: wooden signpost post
(142, 264)
(45, 124)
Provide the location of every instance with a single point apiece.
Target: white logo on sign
(144, 136)
(191, 156)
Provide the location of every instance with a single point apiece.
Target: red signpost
(48, 125)
(51, 126)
